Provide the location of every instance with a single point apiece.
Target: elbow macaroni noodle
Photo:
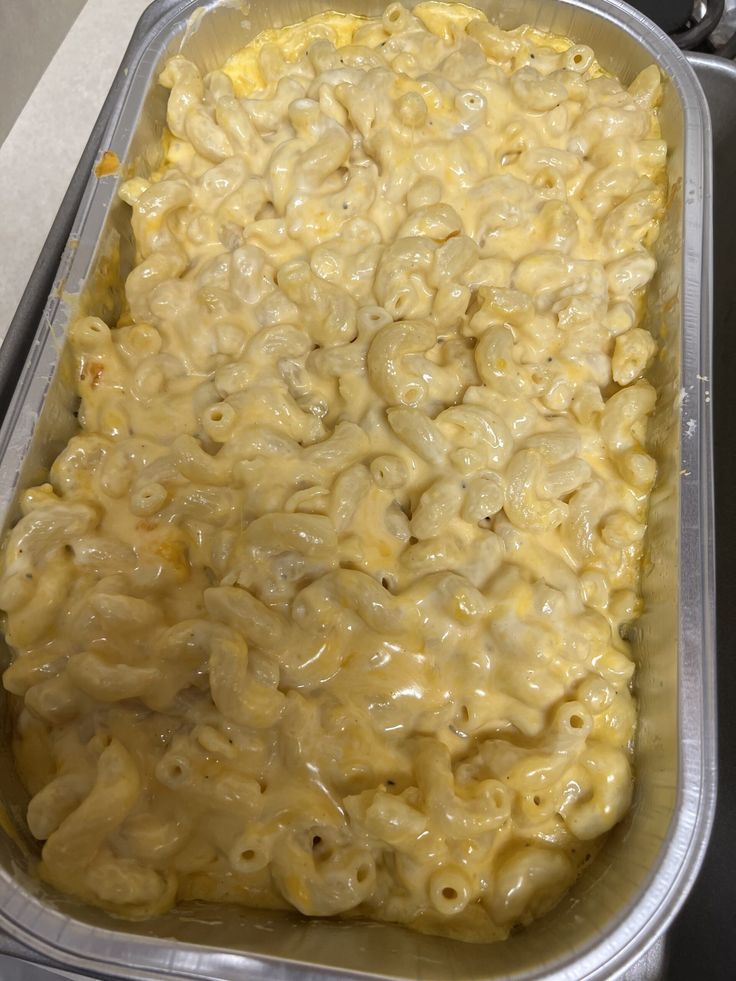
(321, 608)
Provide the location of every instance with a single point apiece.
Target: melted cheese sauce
(322, 606)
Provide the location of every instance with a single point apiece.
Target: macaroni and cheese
(321, 608)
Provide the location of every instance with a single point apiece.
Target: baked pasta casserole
(322, 606)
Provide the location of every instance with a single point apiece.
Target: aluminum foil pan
(629, 894)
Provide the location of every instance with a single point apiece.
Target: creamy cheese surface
(321, 608)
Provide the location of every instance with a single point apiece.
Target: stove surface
(670, 15)
(696, 25)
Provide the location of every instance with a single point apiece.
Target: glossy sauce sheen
(322, 606)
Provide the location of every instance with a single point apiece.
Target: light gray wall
(30, 33)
